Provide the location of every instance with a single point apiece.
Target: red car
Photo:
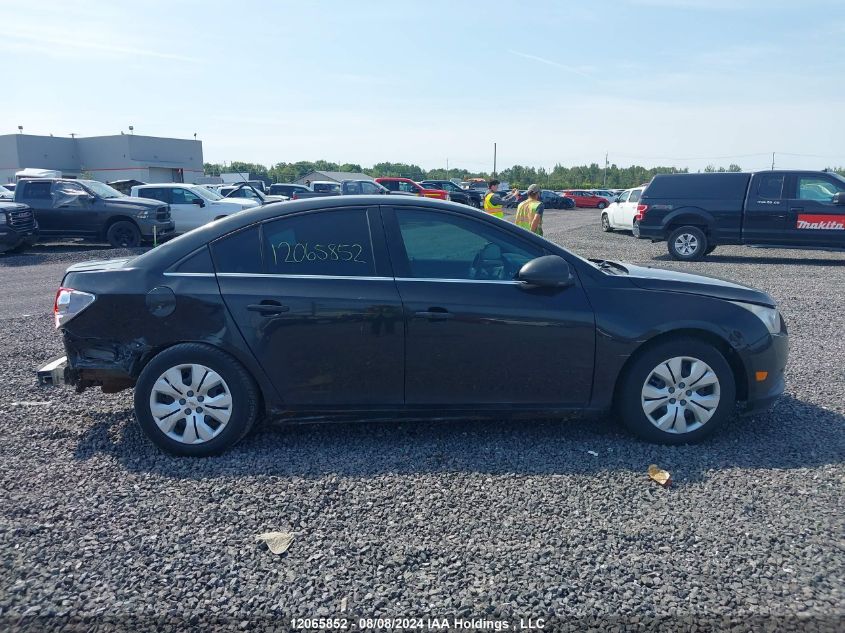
(406, 185)
(585, 199)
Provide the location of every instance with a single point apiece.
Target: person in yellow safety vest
(529, 213)
(493, 201)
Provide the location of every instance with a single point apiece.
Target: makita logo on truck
(821, 222)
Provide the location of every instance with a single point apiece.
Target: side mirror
(548, 271)
(199, 202)
(839, 199)
(91, 198)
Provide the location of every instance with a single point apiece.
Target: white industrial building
(105, 158)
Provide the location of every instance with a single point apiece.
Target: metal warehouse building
(105, 158)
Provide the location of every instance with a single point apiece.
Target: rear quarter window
(238, 252)
(699, 186)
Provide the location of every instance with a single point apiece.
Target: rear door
(315, 299)
(628, 210)
(38, 195)
(766, 209)
(813, 219)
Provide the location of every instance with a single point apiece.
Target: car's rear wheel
(678, 392)
(601, 205)
(123, 234)
(193, 399)
(605, 223)
(687, 243)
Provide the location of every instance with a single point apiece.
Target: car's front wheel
(687, 243)
(605, 223)
(193, 399)
(677, 392)
(123, 234)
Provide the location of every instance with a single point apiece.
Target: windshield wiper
(607, 266)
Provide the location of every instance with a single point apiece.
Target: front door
(813, 219)
(475, 336)
(766, 206)
(187, 209)
(314, 298)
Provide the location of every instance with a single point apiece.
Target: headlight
(143, 215)
(769, 316)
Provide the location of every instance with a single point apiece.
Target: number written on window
(300, 252)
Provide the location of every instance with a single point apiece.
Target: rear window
(699, 186)
(38, 190)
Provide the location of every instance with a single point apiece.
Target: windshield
(100, 189)
(208, 194)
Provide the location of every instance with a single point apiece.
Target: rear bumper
(653, 233)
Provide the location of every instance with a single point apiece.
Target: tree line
(591, 176)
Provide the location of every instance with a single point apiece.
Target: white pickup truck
(192, 206)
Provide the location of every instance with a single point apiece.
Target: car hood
(672, 281)
(134, 204)
(240, 203)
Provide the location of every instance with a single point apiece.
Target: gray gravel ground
(505, 519)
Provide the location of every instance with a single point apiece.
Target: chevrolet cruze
(361, 307)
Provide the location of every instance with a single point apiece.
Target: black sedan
(553, 200)
(357, 306)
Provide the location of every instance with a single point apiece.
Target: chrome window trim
(357, 278)
(460, 281)
(285, 276)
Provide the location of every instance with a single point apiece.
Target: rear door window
(334, 243)
(635, 195)
(38, 190)
(770, 186)
(238, 252)
(155, 193)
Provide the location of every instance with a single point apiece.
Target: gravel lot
(506, 519)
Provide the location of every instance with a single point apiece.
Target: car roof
(168, 184)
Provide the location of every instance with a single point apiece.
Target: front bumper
(11, 238)
(163, 228)
(769, 356)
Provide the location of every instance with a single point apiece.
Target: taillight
(69, 303)
(641, 211)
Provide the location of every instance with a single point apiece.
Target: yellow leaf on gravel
(278, 542)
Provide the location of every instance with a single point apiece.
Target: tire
(123, 234)
(601, 205)
(605, 223)
(218, 427)
(710, 249)
(687, 244)
(704, 409)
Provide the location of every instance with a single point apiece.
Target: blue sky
(686, 82)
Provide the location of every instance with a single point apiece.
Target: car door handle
(434, 314)
(268, 308)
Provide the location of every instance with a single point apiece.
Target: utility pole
(605, 170)
(494, 160)
(773, 161)
(447, 168)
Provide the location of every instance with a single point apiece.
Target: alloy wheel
(686, 244)
(191, 403)
(680, 395)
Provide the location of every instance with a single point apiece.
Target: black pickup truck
(93, 210)
(694, 213)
